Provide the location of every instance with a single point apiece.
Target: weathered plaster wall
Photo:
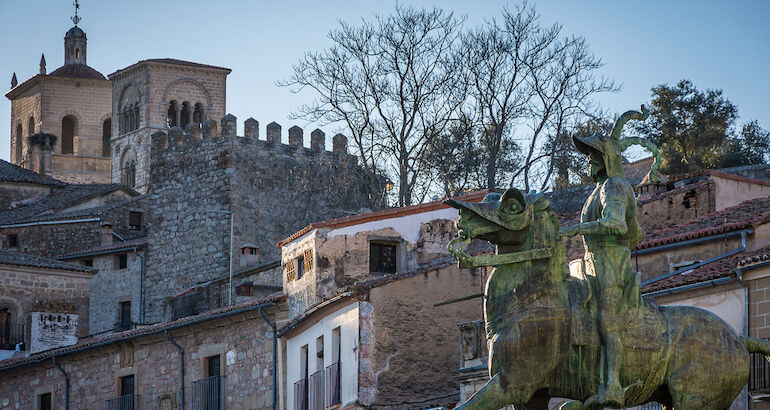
(112, 286)
(731, 192)
(725, 301)
(415, 355)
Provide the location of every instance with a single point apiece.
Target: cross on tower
(75, 18)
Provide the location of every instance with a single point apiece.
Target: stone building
(362, 294)
(73, 104)
(154, 95)
(43, 303)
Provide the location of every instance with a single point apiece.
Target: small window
(213, 366)
(120, 261)
(125, 315)
(382, 258)
(44, 401)
(88, 262)
(13, 241)
(135, 221)
(300, 266)
(127, 385)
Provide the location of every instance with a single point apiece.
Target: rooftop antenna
(75, 18)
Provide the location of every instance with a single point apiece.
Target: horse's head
(507, 220)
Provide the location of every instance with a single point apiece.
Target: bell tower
(75, 42)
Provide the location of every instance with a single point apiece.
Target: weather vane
(75, 18)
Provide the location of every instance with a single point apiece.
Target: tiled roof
(84, 344)
(77, 71)
(714, 270)
(569, 200)
(745, 215)
(114, 247)
(12, 173)
(23, 259)
(384, 214)
(33, 209)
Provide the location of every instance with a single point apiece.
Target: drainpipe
(66, 383)
(275, 355)
(699, 264)
(745, 285)
(141, 285)
(181, 367)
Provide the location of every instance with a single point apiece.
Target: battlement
(226, 129)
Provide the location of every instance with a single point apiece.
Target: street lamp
(230, 284)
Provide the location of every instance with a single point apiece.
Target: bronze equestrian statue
(589, 336)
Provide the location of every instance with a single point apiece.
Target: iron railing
(316, 389)
(198, 302)
(333, 384)
(300, 395)
(759, 377)
(207, 393)
(126, 402)
(11, 334)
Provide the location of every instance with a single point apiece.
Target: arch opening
(106, 137)
(68, 135)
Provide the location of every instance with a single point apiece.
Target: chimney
(107, 237)
(249, 255)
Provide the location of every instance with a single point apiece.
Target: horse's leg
(491, 397)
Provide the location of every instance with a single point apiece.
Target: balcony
(11, 334)
(198, 302)
(207, 393)
(759, 377)
(316, 390)
(333, 384)
(300, 395)
(126, 402)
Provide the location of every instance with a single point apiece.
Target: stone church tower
(154, 95)
(73, 105)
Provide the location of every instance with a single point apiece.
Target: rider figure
(610, 229)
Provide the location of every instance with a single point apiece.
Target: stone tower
(158, 94)
(72, 103)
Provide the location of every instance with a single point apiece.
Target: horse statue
(542, 331)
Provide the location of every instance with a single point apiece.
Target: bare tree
(393, 82)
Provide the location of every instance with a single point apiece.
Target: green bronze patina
(589, 336)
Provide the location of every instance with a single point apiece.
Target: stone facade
(42, 104)
(113, 286)
(28, 289)
(150, 87)
(243, 341)
(272, 190)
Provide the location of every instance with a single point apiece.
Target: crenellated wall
(199, 175)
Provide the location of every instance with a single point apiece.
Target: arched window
(131, 119)
(136, 116)
(67, 135)
(185, 117)
(128, 169)
(31, 126)
(172, 111)
(198, 114)
(106, 136)
(19, 143)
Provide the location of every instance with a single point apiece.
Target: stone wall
(243, 341)
(21, 287)
(52, 240)
(22, 108)
(272, 189)
(110, 287)
(414, 350)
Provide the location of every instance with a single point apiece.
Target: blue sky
(716, 44)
